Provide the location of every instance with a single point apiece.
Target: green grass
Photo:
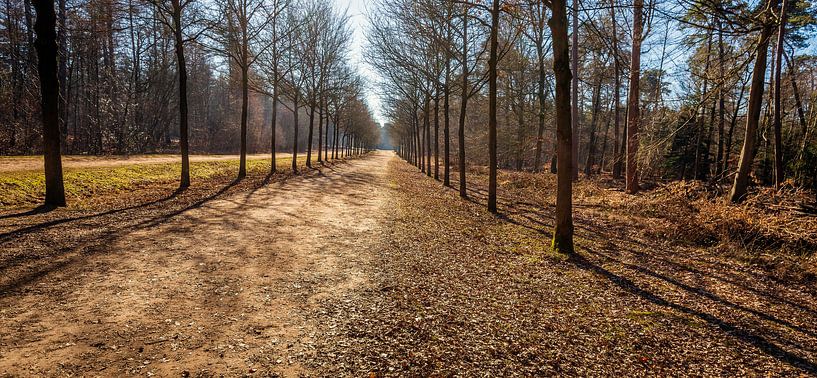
(28, 187)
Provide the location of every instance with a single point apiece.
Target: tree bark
(563, 231)
(618, 159)
(739, 188)
(309, 136)
(47, 51)
(721, 103)
(182, 66)
(446, 124)
(295, 127)
(492, 63)
(591, 148)
(273, 124)
(633, 106)
(436, 137)
(463, 104)
(575, 91)
(779, 170)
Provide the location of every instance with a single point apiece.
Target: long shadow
(101, 244)
(6, 236)
(529, 212)
(704, 293)
(730, 329)
(42, 209)
(96, 246)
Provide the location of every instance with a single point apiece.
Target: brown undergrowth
(776, 230)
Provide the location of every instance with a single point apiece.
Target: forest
(408, 187)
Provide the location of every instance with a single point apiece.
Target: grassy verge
(85, 185)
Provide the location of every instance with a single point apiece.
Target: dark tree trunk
(801, 114)
(618, 159)
(563, 231)
(779, 170)
(540, 94)
(427, 127)
(463, 105)
(721, 104)
(47, 51)
(182, 66)
(320, 131)
(245, 91)
(574, 118)
(309, 136)
(273, 124)
(446, 124)
(295, 127)
(747, 155)
(437, 136)
(591, 148)
(492, 63)
(633, 103)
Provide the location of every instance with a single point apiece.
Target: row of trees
(155, 75)
(695, 108)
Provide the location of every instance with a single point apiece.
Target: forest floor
(366, 267)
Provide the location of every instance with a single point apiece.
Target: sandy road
(221, 288)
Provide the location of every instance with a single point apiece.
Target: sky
(357, 10)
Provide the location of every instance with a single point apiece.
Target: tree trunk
(721, 104)
(618, 159)
(563, 231)
(320, 131)
(591, 148)
(182, 66)
(309, 136)
(492, 63)
(633, 110)
(574, 118)
(727, 153)
(273, 122)
(464, 104)
(437, 137)
(427, 127)
(540, 94)
(245, 92)
(47, 51)
(779, 170)
(295, 127)
(747, 154)
(446, 124)
(801, 114)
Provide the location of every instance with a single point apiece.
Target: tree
(239, 35)
(633, 101)
(172, 16)
(755, 102)
(563, 229)
(779, 170)
(47, 50)
(492, 63)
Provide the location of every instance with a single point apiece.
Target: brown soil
(220, 285)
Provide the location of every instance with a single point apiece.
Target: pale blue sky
(357, 12)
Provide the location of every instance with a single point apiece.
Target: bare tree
(47, 51)
(755, 102)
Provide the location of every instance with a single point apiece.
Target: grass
(25, 188)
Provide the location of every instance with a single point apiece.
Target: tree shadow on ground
(644, 263)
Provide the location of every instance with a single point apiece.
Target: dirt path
(35, 163)
(223, 287)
